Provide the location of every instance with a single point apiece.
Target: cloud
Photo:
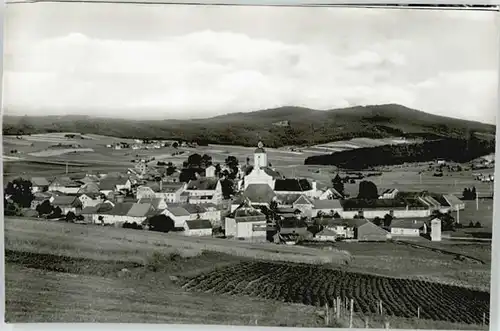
(212, 72)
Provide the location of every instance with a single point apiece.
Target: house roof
(198, 224)
(288, 210)
(89, 210)
(259, 193)
(408, 223)
(452, 200)
(271, 172)
(303, 200)
(327, 204)
(289, 223)
(193, 209)
(104, 207)
(358, 204)
(120, 209)
(203, 184)
(178, 211)
(40, 196)
(288, 199)
(39, 181)
(292, 185)
(92, 195)
(139, 210)
(65, 181)
(327, 232)
(64, 200)
(107, 183)
(155, 202)
(247, 214)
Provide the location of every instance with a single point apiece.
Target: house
(156, 203)
(90, 187)
(178, 214)
(116, 215)
(90, 199)
(408, 227)
(64, 185)
(454, 202)
(326, 235)
(287, 200)
(210, 171)
(39, 184)
(259, 194)
(292, 225)
(39, 198)
(390, 193)
(205, 211)
(67, 203)
(295, 186)
(204, 190)
(326, 207)
(246, 222)
(198, 227)
(370, 209)
(171, 192)
(114, 184)
(92, 214)
(359, 229)
(138, 213)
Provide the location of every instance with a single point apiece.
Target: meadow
(136, 275)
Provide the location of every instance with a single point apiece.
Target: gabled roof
(248, 214)
(203, 184)
(108, 184)
(294, 223)
(292, 185)
(164, 187)
(120, 209)
(259, 193)
(198, 224)
(89, 210)
(178, 211)
(64, 200)
(288, 199)
(39, 181)
(193, 209)
(271, 172)
(92, 195)
(303, 200)
(155, 202)
(65, 181)
(139, 210)
(104, 207)
(452, 200)
(327, 204)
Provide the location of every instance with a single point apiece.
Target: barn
(198, 227)
(408, 227)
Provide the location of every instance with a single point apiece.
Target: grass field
(61, 272)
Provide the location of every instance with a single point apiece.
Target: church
(262, 173)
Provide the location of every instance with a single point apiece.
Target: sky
(174, 61)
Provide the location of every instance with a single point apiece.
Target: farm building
(178, 214)
(64, 185)
(408, 227)
(326, 235)
(359, 229)
(114, 184)
(67, 203)
(171, 192)
(295, 186)
(342, 228)
(92, 214)
(198, 227)
(330, 193)
(90, 199)
(381, 207)
(305, 205)
(157, 203)
(257, 194)
(326, 207)
(138, 213)
(292, 226)
(39, 184)
(454, 202)
(204, 190)
(117, 215)
(246, 222)
(390, 193)
(287, 200)
(205, 211)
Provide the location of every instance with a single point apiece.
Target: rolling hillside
(308, 127)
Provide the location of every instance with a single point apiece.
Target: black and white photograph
(289, 166)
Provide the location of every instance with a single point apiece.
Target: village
(252, 202)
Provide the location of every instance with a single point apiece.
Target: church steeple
(260, 156)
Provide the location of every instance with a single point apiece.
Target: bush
(478, 225)
(471, 224)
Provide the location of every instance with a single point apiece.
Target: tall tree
(161, 223)
(206, 160)
(338, 184)
(45, 208)
(194, 160)
(367, 190)
(227, 186)
(20, 191)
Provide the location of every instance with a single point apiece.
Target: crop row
(314, 285)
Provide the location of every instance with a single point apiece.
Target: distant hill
(307, 126)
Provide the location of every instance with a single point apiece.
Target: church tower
(260, 157)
